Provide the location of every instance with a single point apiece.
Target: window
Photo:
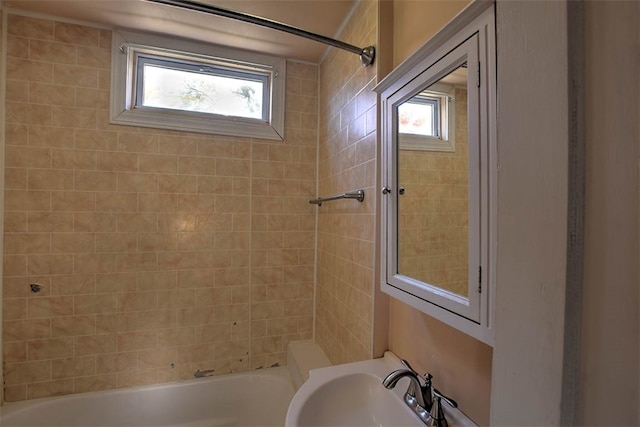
(192, 86)
(176, 84)
(427, 120)
(420, 116)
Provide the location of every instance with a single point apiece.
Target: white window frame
(446, 140)
(123, 111)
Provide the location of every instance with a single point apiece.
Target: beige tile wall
(158, 253)
(346, 228)
(433, 222)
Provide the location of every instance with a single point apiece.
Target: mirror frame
(468, 307)
(468, 37)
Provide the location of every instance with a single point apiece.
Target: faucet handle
(427, 377)
(436, 415)
(427, 391)
(450, 401)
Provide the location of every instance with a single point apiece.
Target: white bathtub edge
(10, 409)
(302, 357)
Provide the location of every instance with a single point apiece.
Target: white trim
(532, 219)
(467, 307)
(122, 113)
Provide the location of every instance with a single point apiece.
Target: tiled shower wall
(156, 254)
(346, 228)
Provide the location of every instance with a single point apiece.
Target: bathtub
(257, 398)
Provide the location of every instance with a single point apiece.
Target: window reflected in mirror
(433, 176)
(421, 115)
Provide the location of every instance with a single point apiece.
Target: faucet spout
(416, 390)
(392, 379)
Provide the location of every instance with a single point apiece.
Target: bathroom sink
(357, 399)
(353, 395)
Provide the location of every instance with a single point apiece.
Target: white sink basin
(357, 399)
(353, 395)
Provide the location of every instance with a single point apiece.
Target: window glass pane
(168, 83)
(178, 89)
(419, 116)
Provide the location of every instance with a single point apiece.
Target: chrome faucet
(418, 396)
(423, 399)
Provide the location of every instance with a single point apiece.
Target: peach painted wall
(346, 228)
(158, 253)
(415, 21)
(460, 364)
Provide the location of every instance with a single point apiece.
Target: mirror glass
(433, 178)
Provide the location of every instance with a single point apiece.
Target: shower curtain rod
(367, 54)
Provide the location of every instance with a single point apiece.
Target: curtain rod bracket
(367, 55)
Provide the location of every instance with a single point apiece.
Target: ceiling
(319, 16)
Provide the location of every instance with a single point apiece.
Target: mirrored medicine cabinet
(439, 175)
